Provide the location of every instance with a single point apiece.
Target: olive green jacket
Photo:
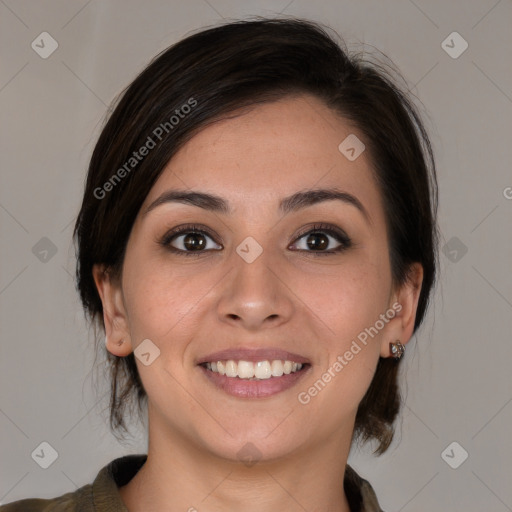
(103, 495)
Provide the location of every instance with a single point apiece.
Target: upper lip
(254, 355)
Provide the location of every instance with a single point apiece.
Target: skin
(295, 300)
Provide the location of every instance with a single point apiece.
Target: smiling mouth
(251, 371)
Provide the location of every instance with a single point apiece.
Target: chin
(252, 443)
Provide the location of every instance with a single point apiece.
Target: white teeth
(277, 368)
(231, 369)
(262, 370)
(245, 369)
(254, 371)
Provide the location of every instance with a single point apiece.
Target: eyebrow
(292, 203)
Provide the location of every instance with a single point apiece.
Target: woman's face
(255, 283)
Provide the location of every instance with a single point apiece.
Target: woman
(257, 239)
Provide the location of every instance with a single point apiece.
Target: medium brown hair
(223, 69)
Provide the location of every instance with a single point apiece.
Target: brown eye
(317, 241)
(194, 241)
(322, 239)
(187, 240)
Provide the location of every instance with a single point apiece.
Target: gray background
(457, 368)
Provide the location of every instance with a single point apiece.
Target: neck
(179, 475)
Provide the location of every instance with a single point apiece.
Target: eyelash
(336, 233)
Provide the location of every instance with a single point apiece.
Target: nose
(256, 295)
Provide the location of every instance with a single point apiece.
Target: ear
(117, 332)
(405, 304)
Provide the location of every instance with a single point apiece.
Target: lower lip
(243, 388)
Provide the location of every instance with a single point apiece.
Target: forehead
(270, 152)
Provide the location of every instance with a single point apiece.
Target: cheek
(350, 303)
(345, 298)
(163, 307)
(166, 299)
(159, 303)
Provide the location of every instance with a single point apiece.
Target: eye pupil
(317, 241)
(194, 241)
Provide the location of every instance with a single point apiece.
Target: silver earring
(397, 349)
